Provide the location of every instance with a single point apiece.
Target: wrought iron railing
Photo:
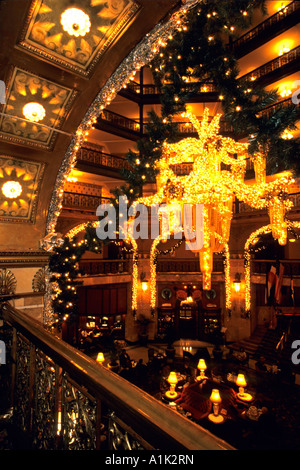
(96, 157)
(63, 399)
(263, 28)
(120, 121)
(95, 267)
(291, 266)
(87, 202)
(186, 266)
(272, 65)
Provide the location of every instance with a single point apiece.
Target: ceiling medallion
(34, 112)
(75, 22)
(11, 189)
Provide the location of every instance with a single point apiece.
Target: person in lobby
(125, 361)
(260, 365)
(241, 356)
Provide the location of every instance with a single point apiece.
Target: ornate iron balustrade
(264, 28)
(63, 399)
(186, 266)
(120, 121)
(95, 267)
(98, 158)
(86, 202)
(267, 112)
(273, 65)
(262, 266)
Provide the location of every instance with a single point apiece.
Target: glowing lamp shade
(215, 398)
(100, 357)
(202, 367)
(172, 379)
(75, 22)
(11, 189)
(34, 112)
(144, 285)
(237, 282)
(241, 383)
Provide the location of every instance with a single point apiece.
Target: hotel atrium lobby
(149, 226)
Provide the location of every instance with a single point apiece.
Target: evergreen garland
(65, 270)
(199, 53)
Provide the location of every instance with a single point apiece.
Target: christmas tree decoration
(216, 178)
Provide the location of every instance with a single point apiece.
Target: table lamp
(241, 383)
(172, 379)
(100, 358)
(202, 367)
(215, 398)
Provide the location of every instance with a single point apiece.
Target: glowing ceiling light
(34, 112)
(284, 50)
(75, 22)
(285, 92)
(11, 189)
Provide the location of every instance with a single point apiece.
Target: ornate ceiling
(58, 64)
(25, 176)
(45, 36)
(25, 87)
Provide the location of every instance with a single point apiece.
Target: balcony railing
(92, 267)
(64, 400)
(95, 157)
(263, 266)
(268, 27)
(186, 266)
(274, 65)
(80, 201)
(120, 121)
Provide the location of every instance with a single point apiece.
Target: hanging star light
(216, 179)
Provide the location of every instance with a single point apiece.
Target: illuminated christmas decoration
(215, 188)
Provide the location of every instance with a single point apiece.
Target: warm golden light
(11, 189)
(215, 396)
(144, 285)
(284, 49)
(72, 179)
(285, 92)
(75, 22)
(202, 367)
(214, 189)
(241, 381)
(237, 286)
(100, 357)
(34, 112)
(172, 379)
(216, 400)
(287, 135)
